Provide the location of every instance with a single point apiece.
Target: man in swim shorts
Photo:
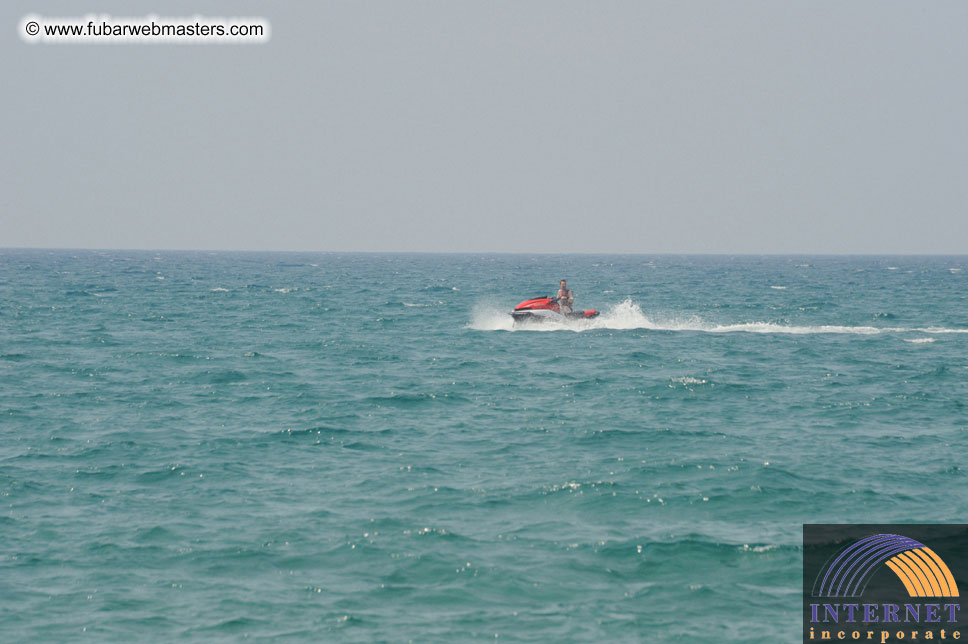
(566, 299)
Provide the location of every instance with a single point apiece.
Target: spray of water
(628, 315)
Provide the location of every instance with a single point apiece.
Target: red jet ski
(546, 309)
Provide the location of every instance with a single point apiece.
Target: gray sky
(736, 127)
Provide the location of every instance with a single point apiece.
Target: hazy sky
(736, 127)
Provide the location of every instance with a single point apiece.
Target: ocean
(323, 447)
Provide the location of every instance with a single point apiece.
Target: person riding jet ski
(559, 308)
(565, 298)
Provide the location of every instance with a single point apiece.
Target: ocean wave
(937, 329)
(627, 316)
(689, 380)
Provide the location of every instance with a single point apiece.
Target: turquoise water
(206, 447)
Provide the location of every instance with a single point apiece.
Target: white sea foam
(627, 315)
(920, 340)
(219, 289)
(489, 318)
(283, 290)
(779, 288)
(689, 380)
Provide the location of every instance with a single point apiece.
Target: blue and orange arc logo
(922, 572)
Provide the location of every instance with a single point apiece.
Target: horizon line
(486, 252)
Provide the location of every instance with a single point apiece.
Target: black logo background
(822, 542)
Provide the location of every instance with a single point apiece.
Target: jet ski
(546, 309)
